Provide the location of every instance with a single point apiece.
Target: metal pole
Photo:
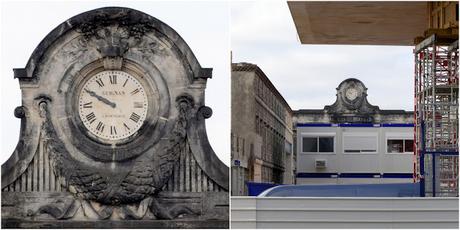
(433, 162)
(422, 161)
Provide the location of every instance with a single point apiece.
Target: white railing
(344, 212)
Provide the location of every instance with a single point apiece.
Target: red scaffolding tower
(436, 116)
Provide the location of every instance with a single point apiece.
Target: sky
(259, 32)
(307, 76)
(203, 25)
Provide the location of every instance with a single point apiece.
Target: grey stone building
(352, 141)
(113, 131)
(261, 126)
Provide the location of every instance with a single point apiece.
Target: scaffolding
(436, 116)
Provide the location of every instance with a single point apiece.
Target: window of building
(232, 137)
(242, 146)
(318, 144)
(360, 143)
(287, 147)
(237, 144)
(400, 145)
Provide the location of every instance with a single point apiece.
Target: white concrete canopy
(359, 23)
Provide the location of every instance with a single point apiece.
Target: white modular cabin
(353, 142)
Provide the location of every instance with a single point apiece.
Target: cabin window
(318, 144)
(400, 146)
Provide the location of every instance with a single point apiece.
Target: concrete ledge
(178, 224)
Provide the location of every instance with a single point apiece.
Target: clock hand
(103, 99)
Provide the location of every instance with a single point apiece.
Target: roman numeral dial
(112, 105)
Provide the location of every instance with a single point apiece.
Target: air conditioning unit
(320, 163)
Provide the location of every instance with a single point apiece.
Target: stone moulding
(174, 179)
(28, 71)
(351, 106)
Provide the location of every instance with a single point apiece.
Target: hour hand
(100, 98)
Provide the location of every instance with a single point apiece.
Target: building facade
(432, 28)
(262, 136)
(352, 141)
(150, 167)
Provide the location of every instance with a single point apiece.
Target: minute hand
(103, 99)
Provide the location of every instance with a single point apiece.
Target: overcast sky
(203, 25)
(264, 33)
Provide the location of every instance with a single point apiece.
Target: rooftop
(249, 67)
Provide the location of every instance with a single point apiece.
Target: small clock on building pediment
(352, 93)
(351, 105)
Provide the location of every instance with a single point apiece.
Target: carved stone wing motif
(141, 184)
(149, 176)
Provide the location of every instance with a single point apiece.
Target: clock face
(351, 94)
(112, 105)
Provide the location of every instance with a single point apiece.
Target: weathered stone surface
(351, 106)
(261, 143)
(146, 224)
(61, 175)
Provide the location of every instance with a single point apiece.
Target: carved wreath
(139, 187)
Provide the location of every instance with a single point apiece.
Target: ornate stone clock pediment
(113, 129)
(351, 105)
